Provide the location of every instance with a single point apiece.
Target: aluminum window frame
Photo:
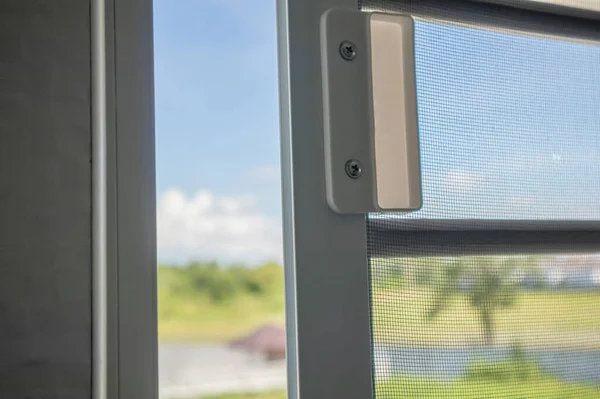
(325, 254)
(527, 11)
(559, 7)
(125, 339)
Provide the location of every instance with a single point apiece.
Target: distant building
(268, 341)
(581, 271)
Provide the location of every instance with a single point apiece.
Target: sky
(508, 124)
(217, 131)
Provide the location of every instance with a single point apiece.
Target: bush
(220, 284)
(516, 367)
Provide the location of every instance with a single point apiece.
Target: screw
(354, 168)
(348, 50)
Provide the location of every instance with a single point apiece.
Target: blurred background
(220, 285)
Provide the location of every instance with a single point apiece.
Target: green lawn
(207, 303)
(543, 388)
(200, 320)
(567, 320)
(266, 395)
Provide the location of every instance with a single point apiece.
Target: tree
(487, 282)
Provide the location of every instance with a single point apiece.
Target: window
(491, 289)
(220, 275)
(509, 132)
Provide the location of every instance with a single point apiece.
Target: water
(189, 370)
(450, 363)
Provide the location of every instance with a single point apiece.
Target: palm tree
(487, 283)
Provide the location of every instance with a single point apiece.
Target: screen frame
(325, 254)
(559, 7)
(530, 15)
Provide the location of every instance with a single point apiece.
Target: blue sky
(217, 119)
(216, 93)
(509, 128)
(509, 125)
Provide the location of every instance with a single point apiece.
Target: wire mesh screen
(486, 327)
(509, 129)
(509, 125)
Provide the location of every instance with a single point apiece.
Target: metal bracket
(370, 112)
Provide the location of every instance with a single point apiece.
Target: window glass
(220, 274)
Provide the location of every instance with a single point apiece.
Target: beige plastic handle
(395, 128)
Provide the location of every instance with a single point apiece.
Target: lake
(188, 370)
(450, 363)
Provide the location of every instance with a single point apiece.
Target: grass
(205, 303)
(264, 395)
(542, 388)
(210, 303)
(215, 330)
(200, 320)
(567, 320)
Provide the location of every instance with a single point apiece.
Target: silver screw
(354, 168)
(348, 50)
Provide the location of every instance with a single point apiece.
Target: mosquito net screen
(509, 126)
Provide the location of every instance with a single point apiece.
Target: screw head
(354, 168)
(348, 50)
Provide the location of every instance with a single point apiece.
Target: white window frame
(325, 254)
(125, 339)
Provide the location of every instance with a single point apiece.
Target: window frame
(325, 254)
(124, 311)
(554, 7)
(529, 15)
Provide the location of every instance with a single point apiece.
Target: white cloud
(462, 181)
(523, 203)
(207, 227)
(266, 172)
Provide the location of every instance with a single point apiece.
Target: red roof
(268, 339)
